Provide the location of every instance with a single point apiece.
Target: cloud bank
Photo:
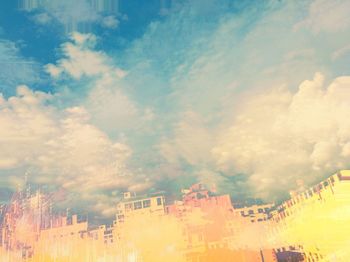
(279, 137)
(61, 148)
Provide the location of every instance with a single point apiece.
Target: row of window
(309, 193)
(251, 212)
(141, 204)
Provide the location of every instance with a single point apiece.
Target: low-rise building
(132, 206)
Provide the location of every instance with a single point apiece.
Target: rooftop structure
(132, 205)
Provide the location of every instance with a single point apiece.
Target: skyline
(249, 96)
(200, 226)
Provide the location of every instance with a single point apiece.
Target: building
(132, 206)
(316, 220)
(255, 213)
(312, 225)
(213, 228)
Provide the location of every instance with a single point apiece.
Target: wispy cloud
(77, 15)
(15, 69)
(327, 16)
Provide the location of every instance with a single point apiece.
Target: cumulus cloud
(79, 60)
(61, 147)
(111, 107)
(279, 137)
(181, 101)
(209, 71)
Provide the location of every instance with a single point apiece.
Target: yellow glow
(207, 228)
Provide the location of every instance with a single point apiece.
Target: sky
(99, 97)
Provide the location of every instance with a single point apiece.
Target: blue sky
(99, 97)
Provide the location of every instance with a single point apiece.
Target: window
(260, 210)
(138, 205)
(242, 213)
(146, 203)
(128, 206)
(250, 212)
(200, 196)
(200, 237)
(159, 201)
(339, 176)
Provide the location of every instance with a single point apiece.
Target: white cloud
(80, 60)
(194, 78)
(191, 141)
(251, 50)
(110, 106)
(60, 147)
(279, 137)
(110, 22)
(83, 39)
